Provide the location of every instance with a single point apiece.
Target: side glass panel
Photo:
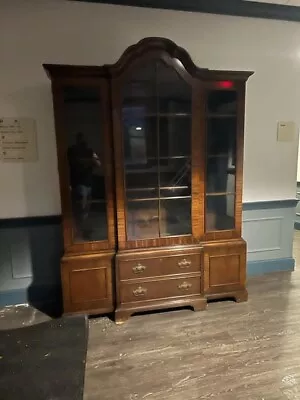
(156, 113)
(221, 159)
(84, 138)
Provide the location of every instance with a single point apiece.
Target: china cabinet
(150, 156)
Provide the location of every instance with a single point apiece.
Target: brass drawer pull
(140, 291)
(184, 286)
(138, 269)
(184, 263)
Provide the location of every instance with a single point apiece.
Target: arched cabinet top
(155, 45)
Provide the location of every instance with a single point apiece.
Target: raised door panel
(87, 284)
(224, 268)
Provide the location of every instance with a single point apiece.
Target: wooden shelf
(220, 194)
(221, 115)
(158, 198)
(156, 188)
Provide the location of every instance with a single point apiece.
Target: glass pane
(221, 157)
(84, 133)
(175, 105)
(142, 219)
(222, 102)
(139, 93)
(220, 212)
(156, 113)
(175, 216)
(175, 94)
(175, 136)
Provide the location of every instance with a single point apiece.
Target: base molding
(46, 298)
(124, 311)
(239, 296)
(266, 266)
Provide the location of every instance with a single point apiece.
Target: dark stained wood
(57, 71)
(225, 268)
(123, 313)
(141, 268)
(153, 47)
(145, 274)
(159, 289)
(154, 270)
(198, 161)
(88, 283)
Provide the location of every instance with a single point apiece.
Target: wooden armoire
(150, 157)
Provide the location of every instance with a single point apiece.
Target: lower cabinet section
(87, 282)
(225, 270)
(143, 280)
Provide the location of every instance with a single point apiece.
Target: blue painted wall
(268, 228)
(30, 251)
(297, 216)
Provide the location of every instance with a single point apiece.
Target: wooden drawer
(164, 288)
(159, 266)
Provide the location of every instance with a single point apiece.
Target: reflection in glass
(220, 212)
(221, 160)
(175, 216)
(157, 149)
(85, 154)
(222, 102)
(142, 219)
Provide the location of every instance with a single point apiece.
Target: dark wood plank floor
(229, 352)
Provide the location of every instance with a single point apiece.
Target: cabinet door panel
(85, 167)
(155, 130)
(224, 268)
(87, 284)
(221, 132)
(225, 107)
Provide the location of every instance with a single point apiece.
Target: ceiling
(282, 2)
(287, 10)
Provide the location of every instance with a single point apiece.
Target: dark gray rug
(44, 361)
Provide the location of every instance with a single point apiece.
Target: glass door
(156, 124)
(221, 131)
(85, 152)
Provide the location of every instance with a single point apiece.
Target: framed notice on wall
(18, 141)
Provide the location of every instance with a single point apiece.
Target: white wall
(298, 163)
(33, 32)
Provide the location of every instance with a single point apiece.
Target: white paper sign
(18, 141)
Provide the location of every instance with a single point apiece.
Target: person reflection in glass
(82, 161)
